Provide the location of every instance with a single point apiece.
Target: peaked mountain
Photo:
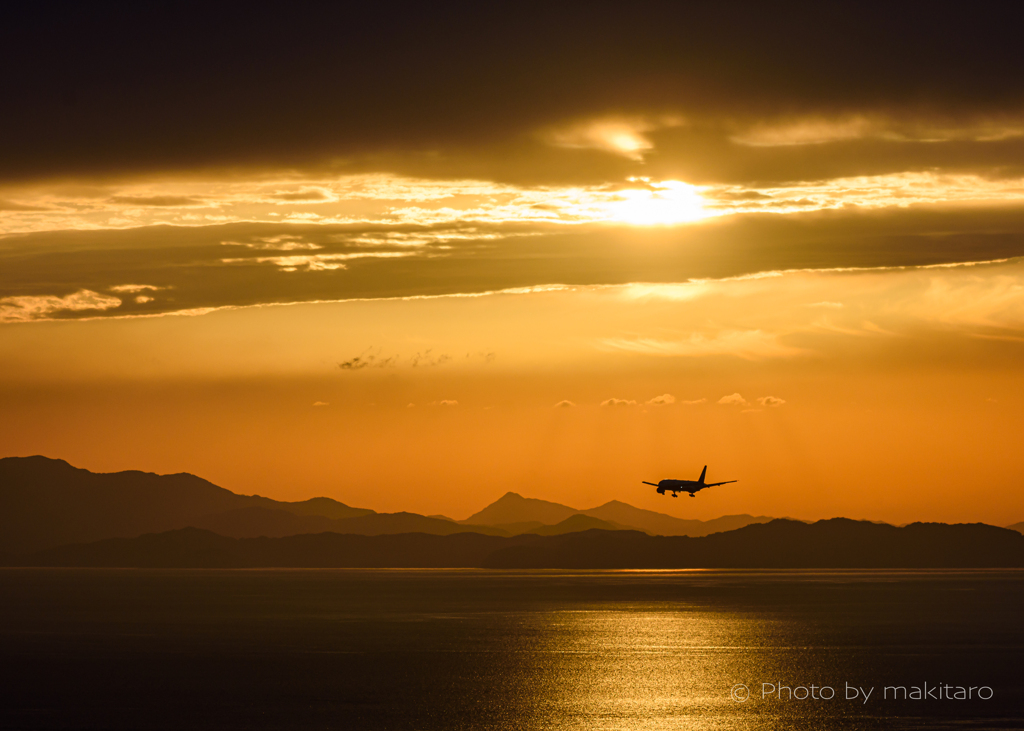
(1019, 527)
(514, 508)
(46, 502)
(516, 514)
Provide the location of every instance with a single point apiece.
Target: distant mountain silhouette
(271, 522)
(513, 508)
(517, 514)
(47, 502)
(1019, 527)
(836, 543)
(325, 507)
(138, 518)
(827, 544)
(575, 524)
(660, 524)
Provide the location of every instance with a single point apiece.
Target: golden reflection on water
(654, 668)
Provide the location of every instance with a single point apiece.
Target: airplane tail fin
(702, 473)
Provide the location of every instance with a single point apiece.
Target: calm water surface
(369, 649)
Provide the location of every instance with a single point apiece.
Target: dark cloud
(98, 90)
(187, 263)
(158, 201)
(707, 154)
(11, 206)
(301, 196)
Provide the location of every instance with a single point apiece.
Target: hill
(1019, 527)
(275, 523)
(517, 514)
(827, 544)
(836, 543)
(660, 524)
(47, 502)
(575, 524)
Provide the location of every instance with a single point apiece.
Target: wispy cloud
(818, 130)
(133, 288)
(24, 309)
(746, 344)
(733, 399)
(625, 136)
(315, 262)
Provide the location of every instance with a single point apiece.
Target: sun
(657, 204)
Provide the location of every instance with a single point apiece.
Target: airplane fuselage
(689, 486)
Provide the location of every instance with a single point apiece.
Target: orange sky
(902, 404)
(796, 257)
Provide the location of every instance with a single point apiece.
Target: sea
(475, 649)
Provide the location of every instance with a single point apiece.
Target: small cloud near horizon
(445, 402)
(369, 358)
(733, 399)
(618, 402)
(770, 401)
(321, 403)
(565, 404)
(666, 399)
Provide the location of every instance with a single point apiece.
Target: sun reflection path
(649, 667)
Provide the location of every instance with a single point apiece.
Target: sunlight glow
(665, 203)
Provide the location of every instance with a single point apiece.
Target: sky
(415, 260)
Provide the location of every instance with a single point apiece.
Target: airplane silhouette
(690, 486)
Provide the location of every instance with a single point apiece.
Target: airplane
(690, 486)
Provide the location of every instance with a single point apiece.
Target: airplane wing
(716, 484)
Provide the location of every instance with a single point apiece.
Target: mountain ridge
(47, 502)
(837, 543)
(512, 509)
